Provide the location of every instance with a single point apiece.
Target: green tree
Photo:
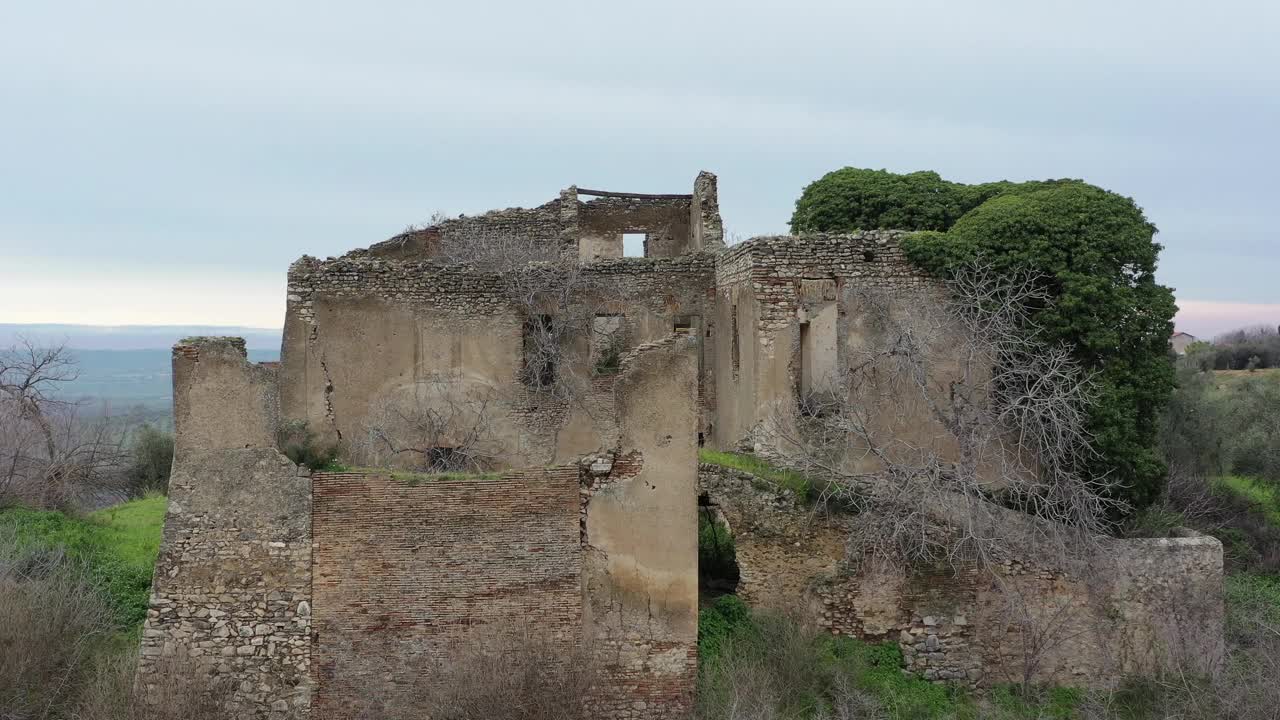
(1096, 257)
(858, 199)
(1095, 253)
(152, 461)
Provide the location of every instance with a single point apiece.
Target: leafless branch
(949, 405)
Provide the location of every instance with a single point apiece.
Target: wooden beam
(635, 196)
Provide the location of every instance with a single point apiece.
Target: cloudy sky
(163, 162)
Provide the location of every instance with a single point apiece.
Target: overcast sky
(164, 162)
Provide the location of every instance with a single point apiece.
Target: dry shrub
(52, 622)
(510, 674)
(57, 634)
(170, 691)
(1244, 687)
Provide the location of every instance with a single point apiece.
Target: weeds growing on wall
(791, 480)
(300, 444)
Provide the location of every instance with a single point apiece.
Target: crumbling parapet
(708, 228)
(220, 400)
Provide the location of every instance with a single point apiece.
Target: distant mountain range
(128, 366)
(133, 337)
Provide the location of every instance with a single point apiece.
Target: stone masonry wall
(231, 594)
(552, 224)
(220, 400)
(404, 568)
(1150, 604)
(664, 220)
(359, 327)
(763, 287)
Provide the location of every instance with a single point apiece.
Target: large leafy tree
(855, 198)
(1096, 256)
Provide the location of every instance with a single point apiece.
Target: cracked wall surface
(640, 581)
(360, 332)
(764, 288)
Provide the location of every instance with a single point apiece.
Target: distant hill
(133, 337)
(123, 379)
(125, 367)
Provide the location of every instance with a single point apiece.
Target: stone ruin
(332, 592)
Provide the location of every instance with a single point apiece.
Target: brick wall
(401, 570)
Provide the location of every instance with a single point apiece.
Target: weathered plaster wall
(360, 331)
(1147, 604)
(220, 400)
(231, 594)
(640, 579)
(404, 569)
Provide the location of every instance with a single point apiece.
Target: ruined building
(573, 506)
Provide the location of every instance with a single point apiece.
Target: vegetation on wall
(1094, 255)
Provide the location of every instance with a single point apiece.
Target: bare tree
(441, 424)
(950, 402)
(30, 375)
(49, 451)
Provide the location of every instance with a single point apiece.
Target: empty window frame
(635, 244)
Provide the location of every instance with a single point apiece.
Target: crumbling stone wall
(231, 593)
(707, 229)
(404, 568)
(587, 230)
(765, 287)
(552, 224)
(1147, 605)
(343, 586)
(665, 221)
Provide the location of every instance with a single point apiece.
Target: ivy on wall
(1095, 253)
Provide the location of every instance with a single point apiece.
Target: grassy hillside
(118, 545)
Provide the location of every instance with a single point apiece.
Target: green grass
(812, 664)
(1253, 595)
(119, 545)
(789, 479)
(1264, 496)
